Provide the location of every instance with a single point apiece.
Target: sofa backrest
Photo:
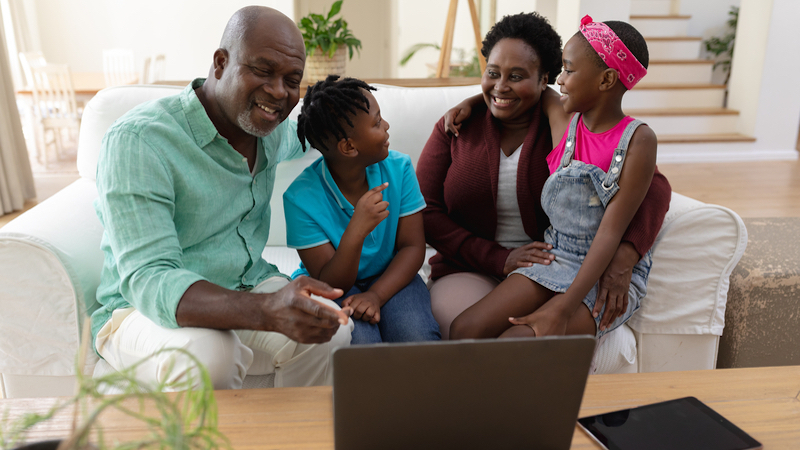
(411, 113)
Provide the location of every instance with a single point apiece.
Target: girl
(600, 172)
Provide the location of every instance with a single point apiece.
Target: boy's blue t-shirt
(317, 212)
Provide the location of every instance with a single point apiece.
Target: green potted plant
(185, 419)
(720, 48)
(326, 40)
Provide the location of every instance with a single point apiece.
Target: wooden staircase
(677, 98)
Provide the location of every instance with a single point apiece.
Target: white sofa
(50, 259)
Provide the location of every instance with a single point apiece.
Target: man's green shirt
(178, 204)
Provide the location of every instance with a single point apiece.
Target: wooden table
(404, 82)
(762, 401)
(86, 84)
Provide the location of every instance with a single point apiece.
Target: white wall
(187, 32)
(763, 82)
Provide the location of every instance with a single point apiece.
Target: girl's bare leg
(516, 296)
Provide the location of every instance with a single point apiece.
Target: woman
(483, 187)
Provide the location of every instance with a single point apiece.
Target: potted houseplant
(326, 41)
(177, 420)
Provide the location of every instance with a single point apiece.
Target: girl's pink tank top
(591, 148)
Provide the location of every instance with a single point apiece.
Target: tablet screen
(684, 423)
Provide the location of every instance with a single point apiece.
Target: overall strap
(618, 158)
(569, 146)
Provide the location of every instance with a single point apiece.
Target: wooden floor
(752, 189)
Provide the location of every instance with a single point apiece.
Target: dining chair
(54, 109)
(154, 69)
(118, 67)
(27, 61)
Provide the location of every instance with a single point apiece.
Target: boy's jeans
(406, 317)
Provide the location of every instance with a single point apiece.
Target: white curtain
(16, 178)
(21, 34)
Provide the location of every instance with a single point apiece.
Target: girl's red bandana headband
(613, 51)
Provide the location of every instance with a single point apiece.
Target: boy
(354, 215)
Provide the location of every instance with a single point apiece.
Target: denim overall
(575, 198)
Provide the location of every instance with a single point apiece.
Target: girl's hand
(549, 320)
(527, 255)
(366, 306)
(370, 210)
(456, 115)
(614, 285)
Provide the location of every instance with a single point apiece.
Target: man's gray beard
(245, 122)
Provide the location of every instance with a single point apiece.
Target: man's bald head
(241, 25)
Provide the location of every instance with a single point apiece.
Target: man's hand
(366, 306)
(614, 285)
(292, 311)
(528, 255)
(370, 210)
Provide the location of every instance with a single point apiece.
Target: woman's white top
(510, 232)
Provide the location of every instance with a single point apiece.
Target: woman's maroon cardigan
(458, 178)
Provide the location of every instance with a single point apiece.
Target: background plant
(186, 419)
(321, 32)
(722, 46)
(462, 68)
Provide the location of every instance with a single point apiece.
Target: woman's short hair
(535, 31)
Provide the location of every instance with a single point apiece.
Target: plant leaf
(335, 8)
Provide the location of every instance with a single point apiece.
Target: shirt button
(618, 158)
(569, 143)
(614, 170)
(251, 248)
(244, 278)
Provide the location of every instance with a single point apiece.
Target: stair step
(696, 121)
(682, 112)
(679, 72)
(649, 7)
(703, 138)
(673, 48)
(661, 25)
(681, 86)
(645, 96)
(660, 17)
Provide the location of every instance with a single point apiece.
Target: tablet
(684, 423)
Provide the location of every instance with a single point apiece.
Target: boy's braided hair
(327, 106)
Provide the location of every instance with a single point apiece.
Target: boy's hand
(370, 210)
(366, 306)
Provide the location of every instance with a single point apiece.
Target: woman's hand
(527, 255)
(549, 320)
(615, 284)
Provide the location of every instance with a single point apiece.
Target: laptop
(481, 394)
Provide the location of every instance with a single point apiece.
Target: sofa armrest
(697, 248)
(50, 263)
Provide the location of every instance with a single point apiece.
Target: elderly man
(184, 187)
